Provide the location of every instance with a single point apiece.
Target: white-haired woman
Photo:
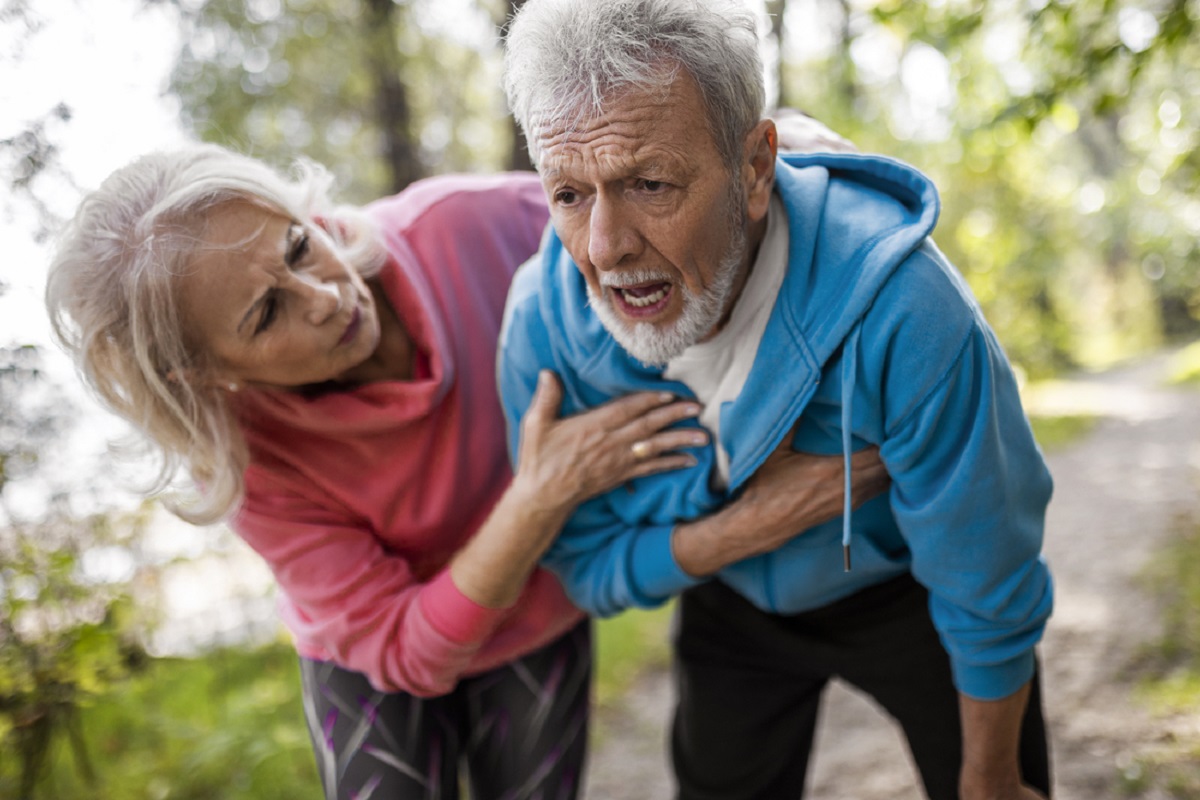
(326, 377)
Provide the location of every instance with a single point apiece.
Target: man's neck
(756, 231)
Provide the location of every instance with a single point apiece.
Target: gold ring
(640, 450)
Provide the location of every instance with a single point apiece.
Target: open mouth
(643, 300)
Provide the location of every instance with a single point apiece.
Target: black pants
(750, 685)
(521, 730)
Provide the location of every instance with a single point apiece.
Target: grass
(227, 725)
(1170, 681)
(1054, 432)
(626, 645)
(1185, 366)
(230, 725)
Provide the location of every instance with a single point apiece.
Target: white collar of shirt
(716, 369)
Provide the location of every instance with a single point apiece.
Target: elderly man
(802, 302)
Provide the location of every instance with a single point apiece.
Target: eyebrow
(289, 257)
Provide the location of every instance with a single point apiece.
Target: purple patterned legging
(521, 730)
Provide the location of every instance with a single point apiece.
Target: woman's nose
(322, 299)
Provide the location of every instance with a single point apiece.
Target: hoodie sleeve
(369, 611)
(605, 564)
(970, 487)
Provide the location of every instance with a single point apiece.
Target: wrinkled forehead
(589, 97)
(626, 120)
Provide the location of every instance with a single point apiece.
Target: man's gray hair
(566, 58)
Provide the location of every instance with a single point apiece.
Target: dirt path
(1117, 493)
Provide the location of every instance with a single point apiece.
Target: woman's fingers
(547, 397)
(667, 441)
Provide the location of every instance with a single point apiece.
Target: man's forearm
(991, 731)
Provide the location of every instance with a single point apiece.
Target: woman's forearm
(493, 567)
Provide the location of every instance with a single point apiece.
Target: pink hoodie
(358, 499)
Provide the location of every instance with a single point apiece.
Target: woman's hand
(790, 493)
(564, 461)
(561, 463)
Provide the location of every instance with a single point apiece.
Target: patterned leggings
(521, 729)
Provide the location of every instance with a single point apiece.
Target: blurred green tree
(379, 91)
(1063, 138)
(67, 627)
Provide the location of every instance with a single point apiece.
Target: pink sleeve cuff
(456, 616)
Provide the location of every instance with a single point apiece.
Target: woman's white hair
(113, 303)
(565, 58)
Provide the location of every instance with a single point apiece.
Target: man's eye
(269, 308)
(651, 186)
(565, 197)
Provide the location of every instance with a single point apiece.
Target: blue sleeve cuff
(655, 575)
(993, 681)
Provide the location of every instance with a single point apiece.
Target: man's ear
(758, 168)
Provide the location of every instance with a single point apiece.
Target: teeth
(647, 300)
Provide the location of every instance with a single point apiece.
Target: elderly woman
(326, 377)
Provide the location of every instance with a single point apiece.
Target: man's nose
(612, 236)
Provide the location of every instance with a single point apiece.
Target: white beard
(653, 345)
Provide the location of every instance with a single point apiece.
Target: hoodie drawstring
(849, 375)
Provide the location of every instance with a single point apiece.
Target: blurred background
(139, 657)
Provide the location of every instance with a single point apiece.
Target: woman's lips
(352, 328)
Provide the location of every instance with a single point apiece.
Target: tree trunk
(391, 96)
(518, 152)
(776, 10)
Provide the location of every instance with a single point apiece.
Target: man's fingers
(865, 458)
(869, 480)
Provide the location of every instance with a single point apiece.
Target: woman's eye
(269, 308)
(299, 249)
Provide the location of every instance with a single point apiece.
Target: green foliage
(229, 724)
(66, 629)
(303, 77)
(66, 637)
(1064, 146)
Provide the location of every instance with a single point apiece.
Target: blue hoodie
(874, 339)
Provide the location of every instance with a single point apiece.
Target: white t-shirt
(716, 369)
